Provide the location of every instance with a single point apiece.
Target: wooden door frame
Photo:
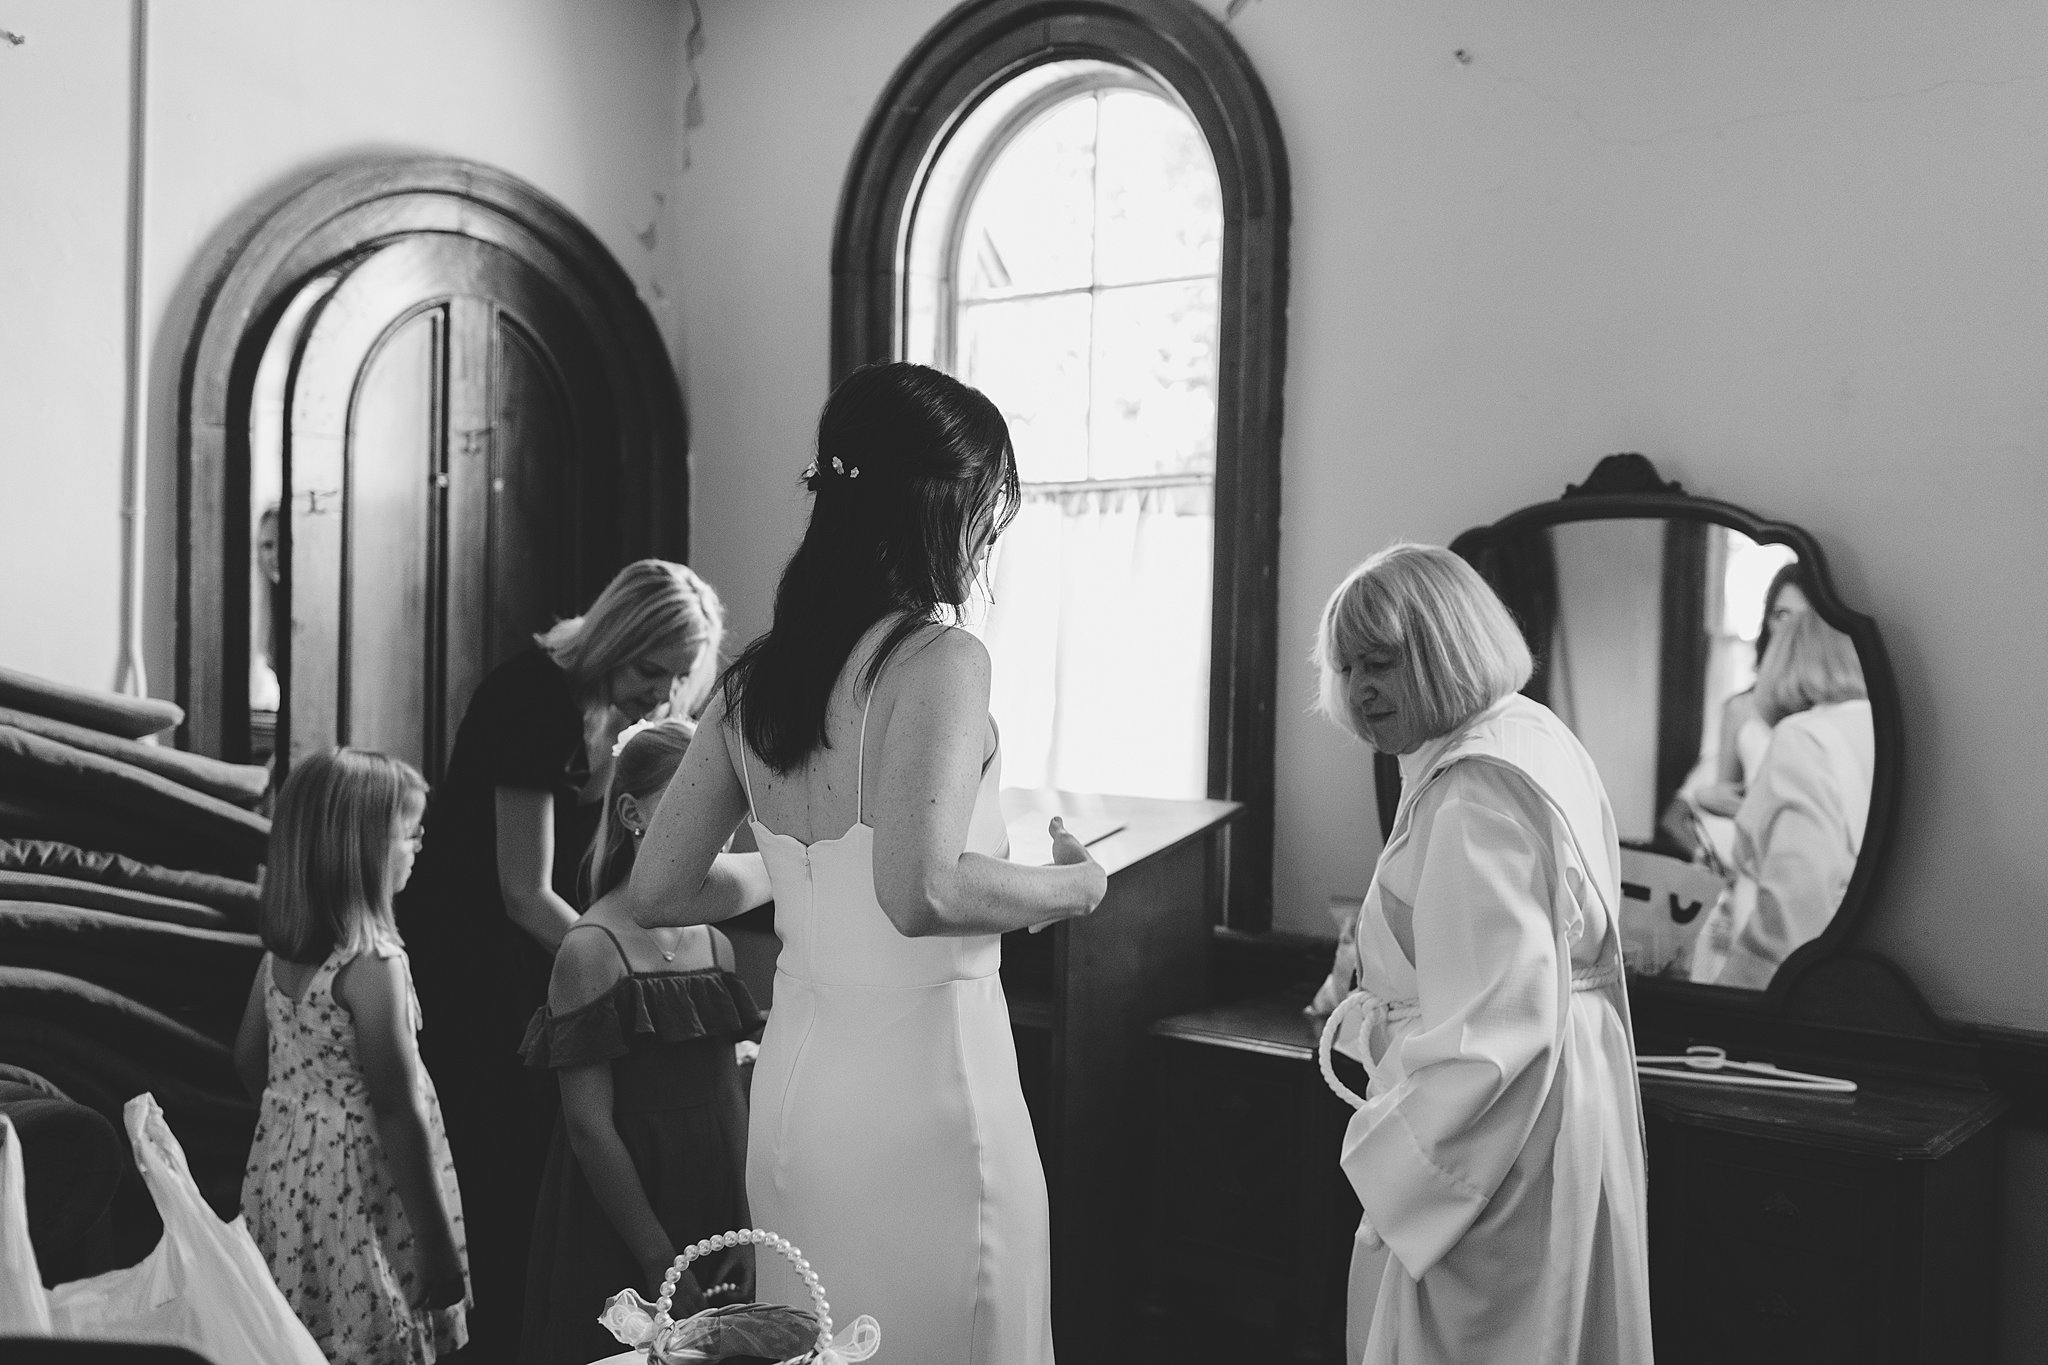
(335, 215)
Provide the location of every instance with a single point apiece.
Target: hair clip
(810, 471)
(838, 467)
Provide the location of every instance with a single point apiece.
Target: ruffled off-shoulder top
(640, 1007)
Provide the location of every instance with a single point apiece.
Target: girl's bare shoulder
(373, 979)
(586, 965)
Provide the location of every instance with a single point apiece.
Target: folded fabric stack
(128, 905)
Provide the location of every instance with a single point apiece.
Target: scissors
(1707, 1063)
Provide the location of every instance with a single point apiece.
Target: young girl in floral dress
(349, 1190)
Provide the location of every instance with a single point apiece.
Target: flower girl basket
(789, 1335)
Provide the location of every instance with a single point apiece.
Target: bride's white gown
(889, 1139)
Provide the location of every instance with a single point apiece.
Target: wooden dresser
(1082, 994)
(1822, 1229)
(1247, 1243)
(1782, 1227)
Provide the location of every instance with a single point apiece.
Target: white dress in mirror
(889, 1137)
(1499, 1154)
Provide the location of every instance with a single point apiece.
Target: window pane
(1160, 212)
(1750, 569)
(1085, 304)
(1031, 226)
(1099, 630)
(1030, 356)
(1154, 405)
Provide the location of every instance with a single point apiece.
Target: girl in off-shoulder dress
(649, 1151)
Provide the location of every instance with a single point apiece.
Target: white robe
(1500, 1153)
(1799, 832)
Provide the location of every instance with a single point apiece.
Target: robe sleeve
(1802, 854)
(1427, 1155)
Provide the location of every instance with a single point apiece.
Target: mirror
(1742, 718)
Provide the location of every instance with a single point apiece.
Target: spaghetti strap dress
(679, 1109)
(317, 1192)
(889, 1138)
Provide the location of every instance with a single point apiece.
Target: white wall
(243, 98)
(1791, 252)
(64, 115)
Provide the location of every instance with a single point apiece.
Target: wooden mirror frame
(1628, 485)
(971, 52)
(334, 215)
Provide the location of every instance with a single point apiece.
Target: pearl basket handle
(745, 1237)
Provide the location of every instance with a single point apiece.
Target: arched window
(1064, 260)
(1081, 210)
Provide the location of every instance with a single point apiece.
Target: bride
(889, 1137)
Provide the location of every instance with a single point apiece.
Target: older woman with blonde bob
(1498, 1152)
(1799, 830)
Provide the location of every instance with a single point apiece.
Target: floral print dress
(317, 1193)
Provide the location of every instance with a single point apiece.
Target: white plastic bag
(204, 1286)
(24, 1308)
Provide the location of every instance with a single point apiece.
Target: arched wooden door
(441, 450)
(467, 421)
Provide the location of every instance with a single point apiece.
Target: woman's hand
(689, 1297)
(440, 1286)
(1068, 851)
(1719, 798)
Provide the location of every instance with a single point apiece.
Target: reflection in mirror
(1730, 723)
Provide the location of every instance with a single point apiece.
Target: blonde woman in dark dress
(495, 890)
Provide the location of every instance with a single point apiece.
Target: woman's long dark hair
(909, 459)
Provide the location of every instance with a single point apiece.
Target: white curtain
(1098, 625)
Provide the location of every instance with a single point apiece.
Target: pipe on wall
(130, 675)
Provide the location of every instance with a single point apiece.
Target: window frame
(1014, 125)
(1192, 57)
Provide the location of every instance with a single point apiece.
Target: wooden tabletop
(1119, 830)
(1276, 1025)
(1893, 1119)
(1886, 1117)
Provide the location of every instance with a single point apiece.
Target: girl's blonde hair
(1809, 663)
(327, 885)
(1441, 621)
(649, 605)
(641, 768)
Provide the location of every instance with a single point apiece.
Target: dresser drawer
(1219, 1109)
(1753, 1201)
(1767, 1249)
(1250, 1212)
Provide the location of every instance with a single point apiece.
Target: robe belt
(1378, 1011)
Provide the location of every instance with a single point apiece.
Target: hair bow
(626, 735)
